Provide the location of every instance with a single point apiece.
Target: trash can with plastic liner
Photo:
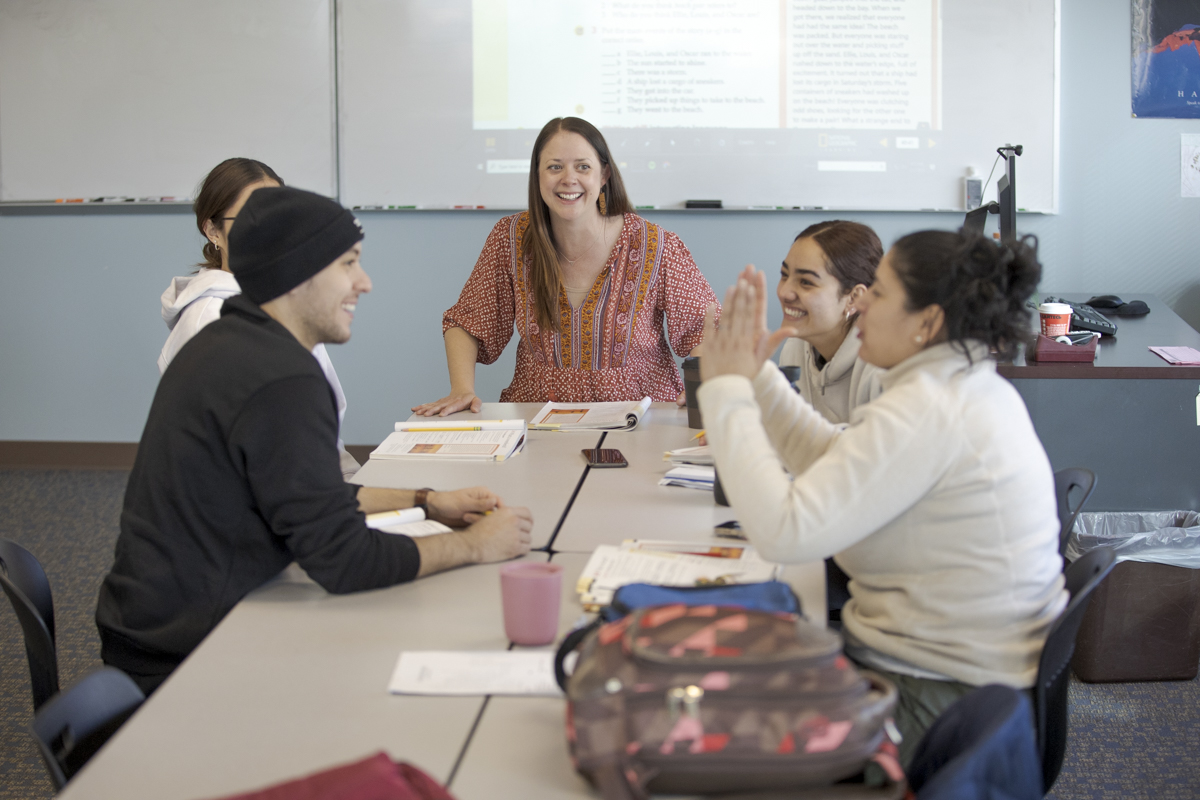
(1143, 623)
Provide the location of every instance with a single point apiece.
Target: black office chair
(1054, 666)
(74, 724)
(1066, 481)
(980, 748)
(25, 583)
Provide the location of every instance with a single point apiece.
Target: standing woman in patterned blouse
(587, 283)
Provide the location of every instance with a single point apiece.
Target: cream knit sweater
(938, 500)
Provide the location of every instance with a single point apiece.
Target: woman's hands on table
(455, 401)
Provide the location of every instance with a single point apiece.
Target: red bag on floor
(374, 778)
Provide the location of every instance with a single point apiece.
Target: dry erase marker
(470, 207)
(70, 200)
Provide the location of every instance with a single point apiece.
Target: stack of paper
(442, 672)
(1178, 355)
(690, 476)
(668, 564)
(690, 455)
(459, 439)
(590, 416)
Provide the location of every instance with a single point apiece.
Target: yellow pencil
(698, 435)
(437, 430)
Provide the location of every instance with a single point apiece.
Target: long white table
(294, 680)
(543, 477)
(616, 504)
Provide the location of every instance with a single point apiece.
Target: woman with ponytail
(828, 268)
(587, 284)
(193, 301)
(938, 498)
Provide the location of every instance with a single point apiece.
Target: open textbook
(590, 416)
(408, 521)
(458, 439)
(668, 564)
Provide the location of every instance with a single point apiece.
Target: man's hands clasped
(495, 532)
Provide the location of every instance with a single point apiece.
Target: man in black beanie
(237, 471)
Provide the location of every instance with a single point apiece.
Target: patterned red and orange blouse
(613, 346)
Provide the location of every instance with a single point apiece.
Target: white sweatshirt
(843, 384)
(193, 301)
(938, 499)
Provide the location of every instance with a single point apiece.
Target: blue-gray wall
(80, 330)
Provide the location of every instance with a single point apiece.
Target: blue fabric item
(980, 748)
(766, 596)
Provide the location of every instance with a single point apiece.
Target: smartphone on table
(604, 457)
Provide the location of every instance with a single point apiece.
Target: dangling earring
(603, 204)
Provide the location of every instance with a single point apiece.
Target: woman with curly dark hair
(938, 498)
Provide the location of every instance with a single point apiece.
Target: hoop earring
(603, 204)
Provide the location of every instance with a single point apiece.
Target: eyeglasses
(224, 219)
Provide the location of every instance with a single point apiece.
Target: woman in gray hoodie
(829, 267)
(193, 301)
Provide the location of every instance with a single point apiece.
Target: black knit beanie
(284, 236)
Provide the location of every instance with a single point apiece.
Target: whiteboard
(440, 100)
(141, 99)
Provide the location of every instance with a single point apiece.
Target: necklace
(591, 247)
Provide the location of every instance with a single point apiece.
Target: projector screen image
(836, 104)
(723, 64)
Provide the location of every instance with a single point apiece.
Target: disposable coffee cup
(1056, 319)
(531, 593)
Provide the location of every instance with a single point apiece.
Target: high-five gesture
(743, 342)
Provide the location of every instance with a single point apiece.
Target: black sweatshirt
(236, 476)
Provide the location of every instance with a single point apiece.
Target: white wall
(80, 330)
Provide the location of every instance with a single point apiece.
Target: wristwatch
(421, 500)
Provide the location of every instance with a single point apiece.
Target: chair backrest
(980, 748)
(1083, 483)
(24, 581)
(1054, 673)
(74, 724)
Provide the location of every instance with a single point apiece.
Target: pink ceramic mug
(531, 593)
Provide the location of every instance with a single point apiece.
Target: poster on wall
(1166, 58)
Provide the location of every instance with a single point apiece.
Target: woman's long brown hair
(538, 245)
(218, 191)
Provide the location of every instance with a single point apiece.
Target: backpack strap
(610, 778)
(570, 643)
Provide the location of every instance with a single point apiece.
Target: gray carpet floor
(1138, 740)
